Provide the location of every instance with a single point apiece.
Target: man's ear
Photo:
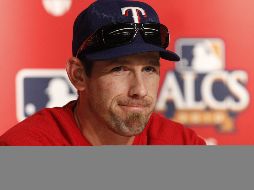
(76, 73)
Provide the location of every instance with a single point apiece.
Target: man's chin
(129, 121)
(129, 133)
(132, 125)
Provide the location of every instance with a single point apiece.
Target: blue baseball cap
(105, 12)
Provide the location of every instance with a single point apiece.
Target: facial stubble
(129, 123)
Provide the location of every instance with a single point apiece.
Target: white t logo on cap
(135, 13)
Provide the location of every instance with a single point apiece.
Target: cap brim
(131, 49)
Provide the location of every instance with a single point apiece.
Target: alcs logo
(200, 91)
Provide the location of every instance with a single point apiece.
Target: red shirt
(57, 127)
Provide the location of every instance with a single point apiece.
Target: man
(115, 68)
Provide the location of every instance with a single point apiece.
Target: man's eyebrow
(155, 61)
(118, 61)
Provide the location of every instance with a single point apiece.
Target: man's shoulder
(39, 128)
(163, 131)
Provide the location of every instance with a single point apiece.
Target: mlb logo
(40, 88)
(200, 55)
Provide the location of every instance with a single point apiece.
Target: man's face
(121, 93)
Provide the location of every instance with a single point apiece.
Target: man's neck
(95, 131)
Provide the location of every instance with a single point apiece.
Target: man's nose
(138, 88)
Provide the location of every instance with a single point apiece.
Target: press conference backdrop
(210, 90)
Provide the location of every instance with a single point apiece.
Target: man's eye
(118, 69)
(150, 69)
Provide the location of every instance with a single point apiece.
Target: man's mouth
(133, 107)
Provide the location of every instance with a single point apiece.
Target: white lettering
(170, 91)
(238, 90)
(207, 93)
(135, 13)
(236, 101)
(189, 91)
